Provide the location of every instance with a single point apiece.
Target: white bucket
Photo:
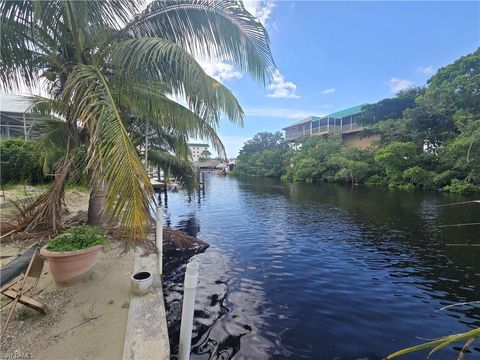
(141, 282)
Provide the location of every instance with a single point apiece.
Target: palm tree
(107, 63)
(167, 150)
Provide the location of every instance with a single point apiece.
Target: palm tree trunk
(96, 203)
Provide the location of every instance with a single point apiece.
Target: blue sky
(332, 55)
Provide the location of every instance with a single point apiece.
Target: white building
(16, 118)
(197, 150)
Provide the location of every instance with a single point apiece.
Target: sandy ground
(86, 320)
(17, 192)
(76, 205)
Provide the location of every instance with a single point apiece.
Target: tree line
(429, 138)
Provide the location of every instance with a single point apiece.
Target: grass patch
(6, 187)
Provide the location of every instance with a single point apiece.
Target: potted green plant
(72, 254)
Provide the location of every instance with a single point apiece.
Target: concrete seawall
(146, 336)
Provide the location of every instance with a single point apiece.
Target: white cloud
(329, 91)
(280, 88)
(261, 9)
(281, 113)
(426, 70)
(220, 70)
(397, 84)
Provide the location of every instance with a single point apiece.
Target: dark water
(325, 271)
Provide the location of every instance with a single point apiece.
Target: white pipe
(159, 238)
(190, 289)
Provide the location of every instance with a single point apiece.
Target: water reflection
(324, 272)
(190, 225)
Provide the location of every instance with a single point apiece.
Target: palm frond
(220, 29)
(163, 66)
(53, 142)
(182, 170)
(162, 111)
(112, 156)
(162, 137)
(92, 16)
(17, 58)
(31, 34)
(438, 344)
(45, 212)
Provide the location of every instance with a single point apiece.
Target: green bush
(308, 169)
(376, 180)
(461, 187)
(419, 177)
(444, 178)
(77, 238)
(20, 162)
(404, 186)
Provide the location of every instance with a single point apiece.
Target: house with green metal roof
(339, 122)
(342, 121)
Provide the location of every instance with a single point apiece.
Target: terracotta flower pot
(70, 266)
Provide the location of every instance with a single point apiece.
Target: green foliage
(390, 108)
(20, 162)
(430, 139)
(263, 141)
(353, 171)
(262, 156)
(419, 177)
(392, 130)
(308, 170)
(326, 159)
(394, 159)
(453, 90)
(461, 187)
(77, 238)
(376, 180)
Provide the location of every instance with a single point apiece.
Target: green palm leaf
(160, 64)
(220, 29)
(180, 169)
(112, 156)
(438, 344)
(161, 111)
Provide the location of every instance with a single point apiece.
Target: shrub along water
(430, 139)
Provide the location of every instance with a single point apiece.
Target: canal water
(325, 271)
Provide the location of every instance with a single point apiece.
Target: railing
(324, 129)
(296, 135)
